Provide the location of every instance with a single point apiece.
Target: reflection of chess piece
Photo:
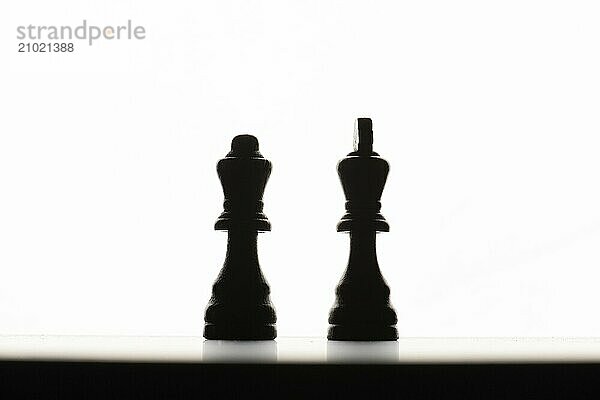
(362, 310)
(363, 352)
(240, 308)
(255, 351)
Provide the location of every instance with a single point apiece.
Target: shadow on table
(239, 351)
(372, 352)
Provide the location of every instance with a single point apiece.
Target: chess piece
(362, 310)
(240, 308)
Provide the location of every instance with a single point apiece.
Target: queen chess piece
(240, 307)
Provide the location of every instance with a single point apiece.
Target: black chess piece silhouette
(240, 307)
(362, 310)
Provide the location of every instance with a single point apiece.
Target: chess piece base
(239, 332)
(368, 333)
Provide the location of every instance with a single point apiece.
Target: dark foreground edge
(109, 380)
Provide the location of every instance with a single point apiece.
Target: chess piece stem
(362, 249)
(242, 249)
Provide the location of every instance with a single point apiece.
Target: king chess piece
(240, 307)
(362, 310)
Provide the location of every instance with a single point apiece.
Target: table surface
(298, 350)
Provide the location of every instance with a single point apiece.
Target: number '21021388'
(46, 47)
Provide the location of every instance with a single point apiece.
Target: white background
(488, 112)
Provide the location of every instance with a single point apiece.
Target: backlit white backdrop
(488, 112)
